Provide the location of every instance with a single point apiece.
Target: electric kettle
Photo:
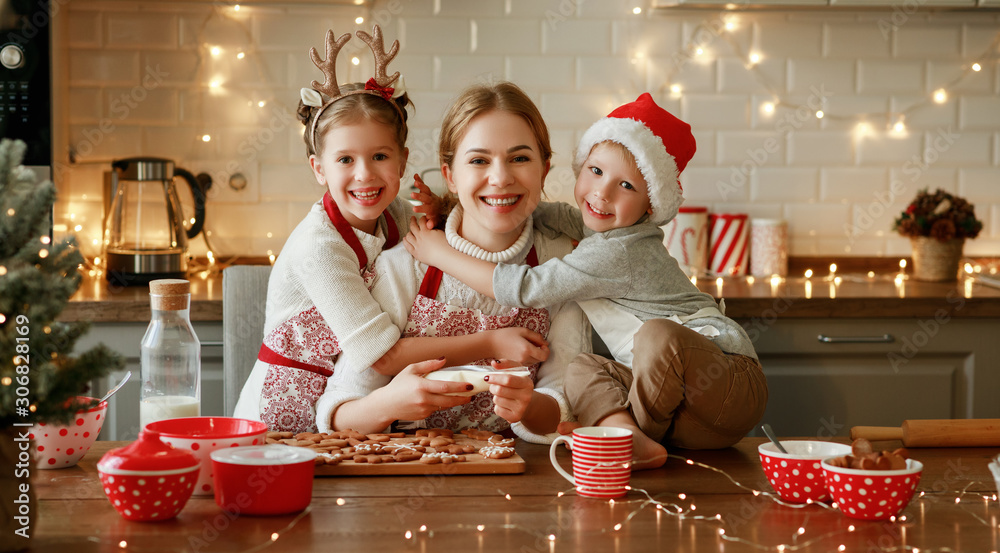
(145, 237)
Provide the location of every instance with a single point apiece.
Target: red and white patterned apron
(429, 317)
(301, 352)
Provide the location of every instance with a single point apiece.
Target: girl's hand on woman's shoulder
(410, 396)
(426, 245)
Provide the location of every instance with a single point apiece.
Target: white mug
(602, 460)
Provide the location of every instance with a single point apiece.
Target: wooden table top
(957, 512)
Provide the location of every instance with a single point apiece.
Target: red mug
(602, 460)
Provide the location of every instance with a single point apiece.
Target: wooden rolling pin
(936, 433)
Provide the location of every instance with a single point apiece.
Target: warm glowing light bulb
(871, 274)
(768, 107)
(240, 55)
(754, 58)
(940, 96)
(6, 380)
(819, 114)
(78, 228)
(969, 269)
(809, 273)
(552, 537)
(215, 84)
(206, 138)
(408, 534)
(902, 263)
(215, 50)
(261, 104)
(833, 268)
(899, 127)
(636, 10)
(359, 20)
(355, 60)
(863, 129)
(675, 89)
(274, 536)
(123, 544)
(699, 51)
(976, 67)
(730, 25)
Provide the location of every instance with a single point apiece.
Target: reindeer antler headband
(324, 95)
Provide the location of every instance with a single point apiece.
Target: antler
(382, 58)
(329, 67)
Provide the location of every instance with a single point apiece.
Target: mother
(494, 153)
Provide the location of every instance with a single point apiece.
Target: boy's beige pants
(682, 390)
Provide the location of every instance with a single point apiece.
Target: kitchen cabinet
(123, 408)
(826, 375)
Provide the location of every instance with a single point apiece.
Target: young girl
(318, 303)
(494, 152)
(684, 374)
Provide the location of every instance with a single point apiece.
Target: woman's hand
(511, 395)
(526, 347)
(430, 206)
(426, 245)
(410, 396)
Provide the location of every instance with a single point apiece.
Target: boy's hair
(475, 100)
(625, 153)
(351, 109)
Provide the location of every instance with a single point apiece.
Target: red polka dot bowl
(148, 480)
(203, 435)
(60, 446)
(872, 494)
(797, 476)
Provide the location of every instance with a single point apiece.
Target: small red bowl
(148, 480)
(872, 494)
(203, 435)
(797, 475)
(263, 480)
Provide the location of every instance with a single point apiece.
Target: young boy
(683, 373)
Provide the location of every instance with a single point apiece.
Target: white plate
(472, 374)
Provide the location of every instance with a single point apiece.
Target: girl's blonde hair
(475, 100)
(351, 109)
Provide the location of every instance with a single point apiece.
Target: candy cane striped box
(686, 239)
(728, 233)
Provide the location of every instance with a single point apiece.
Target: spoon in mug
(116, 388)
(770, 435)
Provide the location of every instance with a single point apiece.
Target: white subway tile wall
(216, 88)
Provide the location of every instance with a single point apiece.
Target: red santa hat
(661, 144)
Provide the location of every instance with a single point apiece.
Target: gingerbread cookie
(499, 441)
(455, 449)
(496, 452)
(441, 458)
(435, 432)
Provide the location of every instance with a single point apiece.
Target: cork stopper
(170, 294)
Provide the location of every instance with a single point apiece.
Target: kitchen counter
(818, 297)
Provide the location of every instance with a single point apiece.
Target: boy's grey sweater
(629, 266)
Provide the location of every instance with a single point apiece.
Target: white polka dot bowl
(148, 480)
(61, 446)
(872, 494)
(203, 435)
(797, 475)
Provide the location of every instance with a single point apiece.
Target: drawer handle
(212, 343)
(883, 339)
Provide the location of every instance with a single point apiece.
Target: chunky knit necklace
(468, 248)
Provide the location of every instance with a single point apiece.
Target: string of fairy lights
(684, 507)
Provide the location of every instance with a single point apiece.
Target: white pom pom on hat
(661, 144)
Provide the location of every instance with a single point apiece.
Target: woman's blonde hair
(475, 100)
(354, 108)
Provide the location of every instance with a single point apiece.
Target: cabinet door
(123, 408)
(875, 372)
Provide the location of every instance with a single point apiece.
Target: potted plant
(38, 376)
(937, 224)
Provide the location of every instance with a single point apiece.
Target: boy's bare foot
(646, 452)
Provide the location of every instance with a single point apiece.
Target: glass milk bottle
(170, 356)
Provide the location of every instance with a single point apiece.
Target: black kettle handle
(199, 201)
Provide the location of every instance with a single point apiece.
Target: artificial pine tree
(38, 377)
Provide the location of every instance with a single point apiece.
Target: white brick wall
(578, 59)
